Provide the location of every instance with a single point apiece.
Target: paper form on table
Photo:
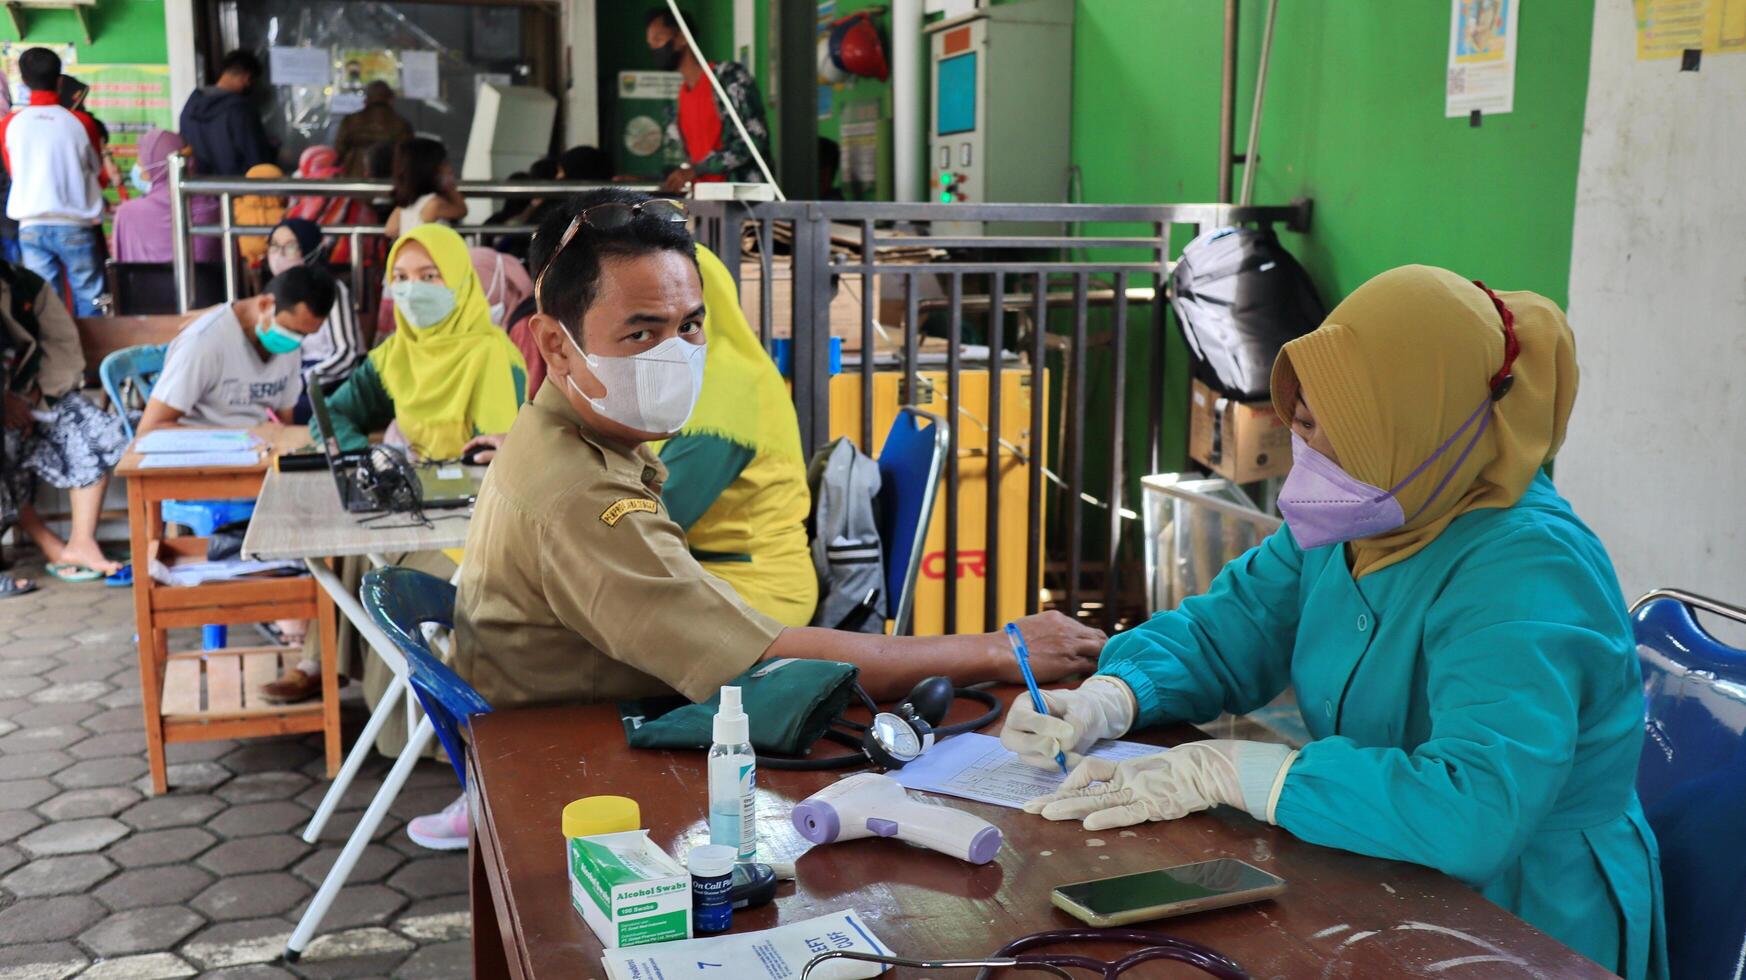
(195, 441)
(212, 460)
(976, 767)
(767, 955)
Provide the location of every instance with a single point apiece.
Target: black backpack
(1239, 296)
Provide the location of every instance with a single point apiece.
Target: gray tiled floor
(99, 879)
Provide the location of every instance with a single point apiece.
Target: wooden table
(1343, 915)
(300, 517)
(196, 696)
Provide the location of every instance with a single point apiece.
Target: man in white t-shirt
(240, 360)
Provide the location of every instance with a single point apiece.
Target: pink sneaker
(445, 831)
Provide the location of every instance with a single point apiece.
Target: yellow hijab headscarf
(1393, 372)
(457, 378)
(744, 399)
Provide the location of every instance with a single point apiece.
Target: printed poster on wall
(299, 66)
(130, 99)
(418, 74)
(1482, 57)
(1669, 28)
(9, 52)
(360, 67)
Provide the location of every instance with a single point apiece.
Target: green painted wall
(123, 31)
(1354, 119)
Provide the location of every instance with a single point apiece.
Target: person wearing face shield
(330, 355)
(1455, 637)
(579, 586)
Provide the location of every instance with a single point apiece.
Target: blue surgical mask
(276, 337)
(423, 304)
(139, 179)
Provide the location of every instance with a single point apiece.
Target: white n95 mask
(654, 391)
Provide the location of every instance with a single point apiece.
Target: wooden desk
(198, 696)
(1343, 916)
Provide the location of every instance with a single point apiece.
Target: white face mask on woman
(654, 391)
(280, 262)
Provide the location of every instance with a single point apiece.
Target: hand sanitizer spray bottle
(733, 773)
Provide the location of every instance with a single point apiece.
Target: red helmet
(856, 47)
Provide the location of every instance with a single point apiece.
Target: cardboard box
(845, 308)
(629, 891)
(1240, 441)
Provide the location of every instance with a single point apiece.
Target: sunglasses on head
(609, 217)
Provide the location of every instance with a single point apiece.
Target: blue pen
(1023, 653)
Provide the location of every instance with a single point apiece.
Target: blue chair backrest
(909, 479)
(140, 365)
(1692, 780)
(401, 601)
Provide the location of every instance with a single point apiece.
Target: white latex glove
(1171, 784)
(1102, 707)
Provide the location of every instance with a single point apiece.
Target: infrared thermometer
(869, 804)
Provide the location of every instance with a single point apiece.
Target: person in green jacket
(447, 373)
(1455, 636)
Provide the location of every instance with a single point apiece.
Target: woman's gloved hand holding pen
(1169, 784)
(1174, 783)
(1102, 707)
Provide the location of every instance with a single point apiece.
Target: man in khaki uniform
(577, 586)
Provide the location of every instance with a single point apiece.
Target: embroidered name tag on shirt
(629, 505)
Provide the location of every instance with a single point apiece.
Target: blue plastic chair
(141, 365)
(401, 601)
(909, 482)
(1692, 778)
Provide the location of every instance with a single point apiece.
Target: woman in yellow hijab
(1455, 637)
(736, 478)
(446, 374)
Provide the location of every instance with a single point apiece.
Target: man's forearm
(892, 665)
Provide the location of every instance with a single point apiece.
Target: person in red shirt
(698, 123)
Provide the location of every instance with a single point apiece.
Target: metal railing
(226, 189)
(1024, 274)
(1049, 280)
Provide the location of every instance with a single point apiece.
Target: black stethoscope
(897, 737)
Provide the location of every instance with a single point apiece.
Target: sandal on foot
(68, 571)
(10, 587)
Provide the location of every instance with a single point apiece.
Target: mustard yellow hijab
(457, 378)
(744, 399)
(1394, 371)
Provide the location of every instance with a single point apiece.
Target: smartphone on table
(1147, 895)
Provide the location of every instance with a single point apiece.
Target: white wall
(179, 37)
(582, 96)
(1656, 458)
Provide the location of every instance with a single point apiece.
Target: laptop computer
(441, 486)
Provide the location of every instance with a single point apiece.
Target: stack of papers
(204, 448)
(201, 572)
(976, 767)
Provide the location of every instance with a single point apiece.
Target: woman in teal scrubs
(1454, 634)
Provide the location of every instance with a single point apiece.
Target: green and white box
(629, 891)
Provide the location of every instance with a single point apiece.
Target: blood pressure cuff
(788, 704)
